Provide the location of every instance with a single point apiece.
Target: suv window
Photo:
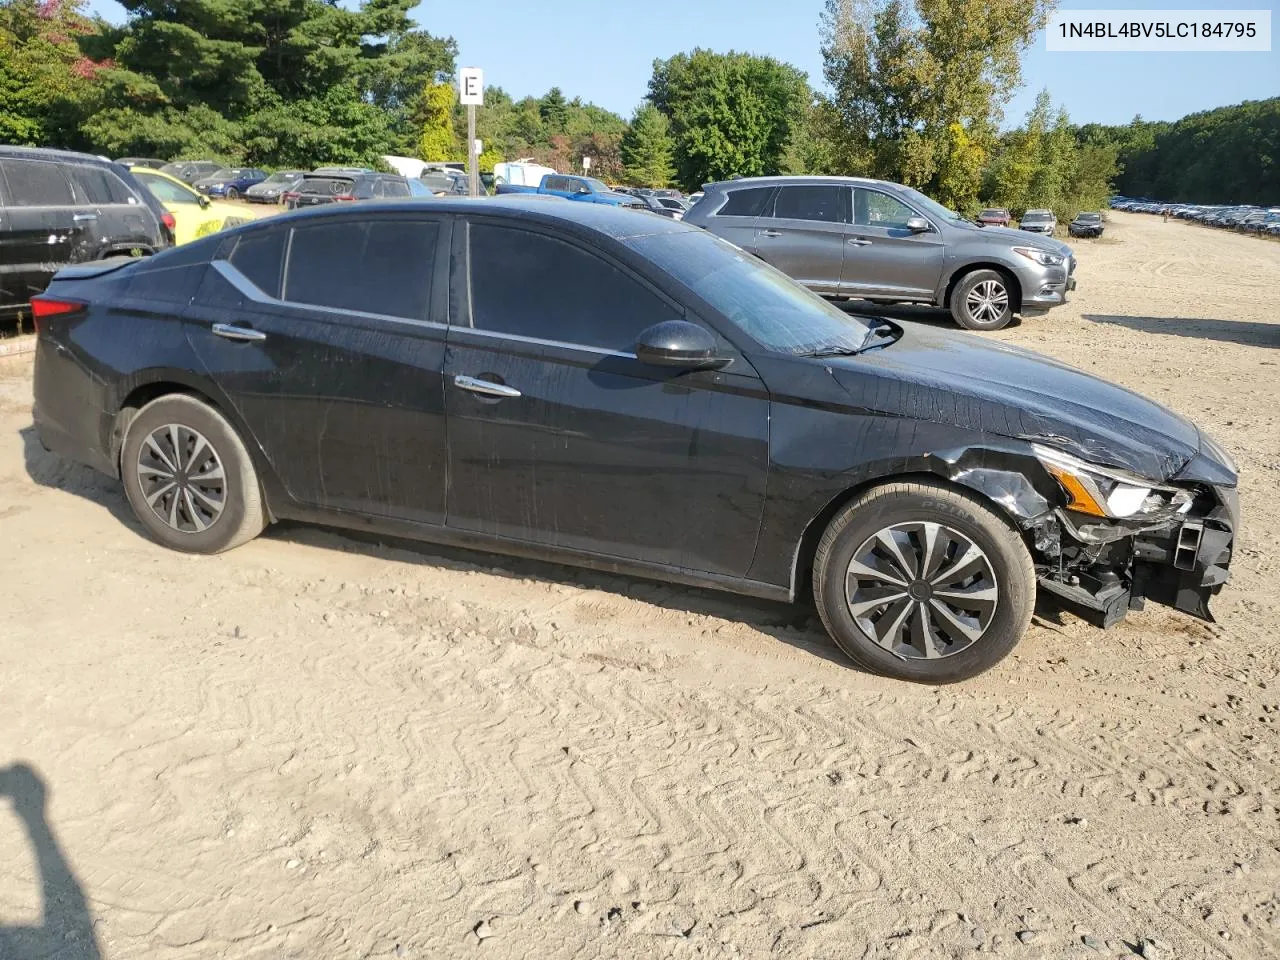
(746, 203)
(395, 188)
(876, 209)
(36, 183)
(375, 266)
(823, 203)
(532, 285)
(259, 257)
(100, 185)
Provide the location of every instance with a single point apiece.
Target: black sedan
(574, 382)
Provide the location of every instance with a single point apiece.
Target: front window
(767, 305)
(931, 208)
(167, 192)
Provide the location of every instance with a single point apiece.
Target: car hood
(265, 187)
(1023, 238)
(976, 384)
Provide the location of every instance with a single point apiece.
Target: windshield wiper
(832, 352)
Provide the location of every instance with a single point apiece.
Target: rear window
(377, 266)
(823, 204)
(746, 203)
(326, 186)
(35, 183)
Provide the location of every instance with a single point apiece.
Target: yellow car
(194, 214)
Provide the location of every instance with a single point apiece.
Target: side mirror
(918, 225)
(676, 343)
(204, 201)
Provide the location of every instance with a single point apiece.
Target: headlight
(1042, 257)
(1105, 492)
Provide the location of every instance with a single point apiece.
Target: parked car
(583, 189)
(522, 173)
(995, 217)
(1038, 221)
(1086, 225)
(58, 208)
(654, 204)
(189, 171)
(230, 182)
(852, 238)
(630, 394)
(450, 183)
(151, 162)
(273, 189)
(320, 188)
(194, 214)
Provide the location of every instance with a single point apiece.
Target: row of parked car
(1042, 221)
(1246, 218)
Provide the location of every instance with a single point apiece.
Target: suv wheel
(189, 478)
(919, 582)
(981, 301)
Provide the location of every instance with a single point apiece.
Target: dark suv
(323, 186)
(872, 240)
(58, 208)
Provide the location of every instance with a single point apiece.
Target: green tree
(438, 140)
(45, 79)
(918, 86)
(731, 113)
(554, 111)
(647, 148)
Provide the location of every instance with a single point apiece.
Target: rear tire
(189, 478)
(982, 300)
(954, 619)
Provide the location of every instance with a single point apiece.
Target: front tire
(233, 193)
(982, 300)
(919, 582)
(189, 478)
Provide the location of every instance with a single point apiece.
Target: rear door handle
(485, 387)
(229, 331)
(84, 217)
(773, 233)
(859, 242)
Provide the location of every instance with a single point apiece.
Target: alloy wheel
(182, 478)
(921, 590)
(987, 301)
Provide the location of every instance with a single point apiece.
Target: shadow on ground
(1243, 332)
(66, 929)
(793, 624)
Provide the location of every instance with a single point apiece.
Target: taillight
(46, 308)
(168, 220)
(344, 196)
(292, 195)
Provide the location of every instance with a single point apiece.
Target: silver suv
(861, 239)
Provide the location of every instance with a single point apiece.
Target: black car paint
(712, 477)
(36, 241)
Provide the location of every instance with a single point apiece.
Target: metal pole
(473, 162)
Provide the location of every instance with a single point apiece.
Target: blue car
(586, 189)
(230, 182)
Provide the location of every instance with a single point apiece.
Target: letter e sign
(471, 86)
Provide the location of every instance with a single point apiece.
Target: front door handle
(486, 387)
(84, 217)
(229, 331)
(773, 233)
(859, 242)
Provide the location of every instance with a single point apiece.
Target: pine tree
(648, 150)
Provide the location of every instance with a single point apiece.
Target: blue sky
(604, 53)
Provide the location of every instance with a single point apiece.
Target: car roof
(781, 180)
(618, 223)
(63, 156)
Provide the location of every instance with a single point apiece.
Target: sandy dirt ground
(318, 746)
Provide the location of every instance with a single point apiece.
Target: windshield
(992, 213)
(228, 173)
(1090, 216)
(1032, 215)
(282, 177)
(596, 185)
(768, 306)
(932, 207)
(166, 191)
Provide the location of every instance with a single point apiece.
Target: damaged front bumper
(1102, 571)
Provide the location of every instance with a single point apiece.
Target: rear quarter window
(100, 185)
(746, 203)
(259, 256)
